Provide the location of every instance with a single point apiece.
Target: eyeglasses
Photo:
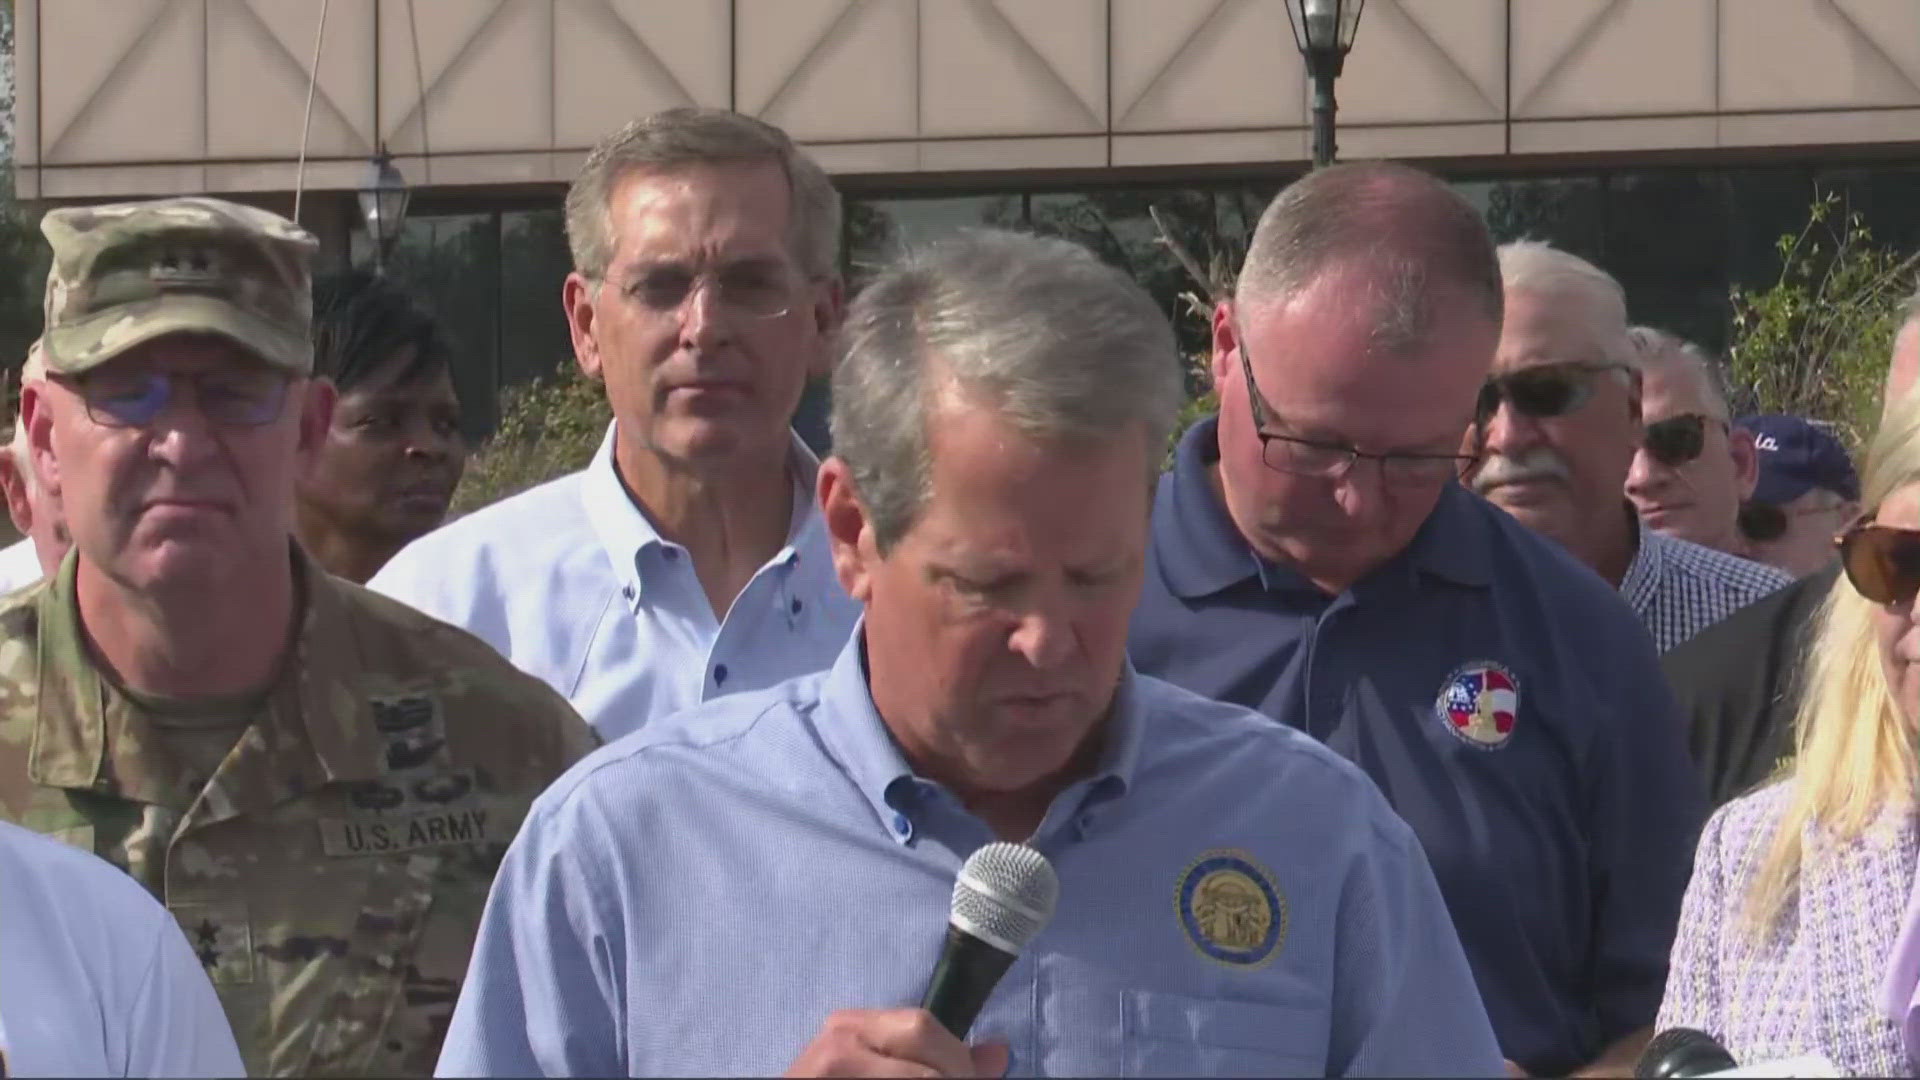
(754, 289)
(1766, 522)
(1306, 457)
(1678, 439)
(135, 399)
(1542, 391)
(1882, 563)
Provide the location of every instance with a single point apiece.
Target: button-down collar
(859, 740)
(1201, 551)
(631, 539)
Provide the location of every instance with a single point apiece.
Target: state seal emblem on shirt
(1479, 703)
(1231, 909)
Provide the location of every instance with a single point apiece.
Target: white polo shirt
(96, 978)
(574, 585)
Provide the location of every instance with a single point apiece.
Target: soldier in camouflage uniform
(316, 781)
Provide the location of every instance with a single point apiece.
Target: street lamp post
(383, 205)
(1323, 32)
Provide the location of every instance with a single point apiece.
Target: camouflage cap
(127, 273)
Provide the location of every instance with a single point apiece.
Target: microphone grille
(1005, 895)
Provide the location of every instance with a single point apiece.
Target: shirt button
(796, 605)
(901, 825)
(627, 591)
(719, 673)
(672, 554)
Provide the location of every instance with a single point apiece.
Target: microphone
(1680, 1052)
(1684, 1052)
(1001, 901)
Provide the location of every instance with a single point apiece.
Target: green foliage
(547, 428)
(1816, 342)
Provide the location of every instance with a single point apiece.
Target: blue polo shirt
(696, 899)
(1509, 705)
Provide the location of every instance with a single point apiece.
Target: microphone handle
(969, 969)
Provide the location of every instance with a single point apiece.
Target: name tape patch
(388, 835)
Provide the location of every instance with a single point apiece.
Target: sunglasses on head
(1882, 562)
(1678, 439)
(1542, 391)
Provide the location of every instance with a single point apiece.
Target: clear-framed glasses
(135, 399)
(1308, 457)
(749, 288)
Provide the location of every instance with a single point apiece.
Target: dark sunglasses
(136, 399)
(1881, 562)
(1543, 391)
(1678, 439)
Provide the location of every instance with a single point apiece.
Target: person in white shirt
(35, 510)
(687, 560)
(96, 978)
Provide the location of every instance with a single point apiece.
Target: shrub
(547, 428)
(1815, 343)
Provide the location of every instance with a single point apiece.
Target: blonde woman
(1791, 933)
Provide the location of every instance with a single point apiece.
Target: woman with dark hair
(387, 470)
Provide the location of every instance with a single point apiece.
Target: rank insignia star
(206, 938)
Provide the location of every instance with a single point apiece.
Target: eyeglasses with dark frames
(1331, 461)
(135, 399)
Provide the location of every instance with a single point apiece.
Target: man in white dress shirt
(687, 560)
(96, 978)
(34, 510)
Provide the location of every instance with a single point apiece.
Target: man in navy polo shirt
(1315, 558)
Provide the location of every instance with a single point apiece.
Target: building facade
(1673, 141)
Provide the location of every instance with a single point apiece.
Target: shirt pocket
(1176, 1035)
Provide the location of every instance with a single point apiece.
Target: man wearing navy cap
(1807, 492)
(1315, 557)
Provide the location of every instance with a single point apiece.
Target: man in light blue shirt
(96, 978)
(686, 561)
(761, 884)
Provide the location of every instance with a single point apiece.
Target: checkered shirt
(1679, 588)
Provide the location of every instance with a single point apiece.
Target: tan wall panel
(1418, 61)
(1226, 147)
(1788, 54)
(1820, 128)
(1423, 141)
(620, 59)
(968, 155)
(1613, 134)
(123, 181)
(867, 157)
(259, 59)
(26, 79)
(1012, 68)
(487, 68)
(1616, 58)
(131, 96)
(1186, 64)
(829, 69)
(127, 82)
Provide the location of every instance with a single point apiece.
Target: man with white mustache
(1556, 432)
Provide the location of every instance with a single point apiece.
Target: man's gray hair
(1039, 330)
(1539, 268)
(1653, 345)
(1407, 231)
(678, 138)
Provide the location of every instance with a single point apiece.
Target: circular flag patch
(1479, 703)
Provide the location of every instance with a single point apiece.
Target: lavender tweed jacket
(1814, 986)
